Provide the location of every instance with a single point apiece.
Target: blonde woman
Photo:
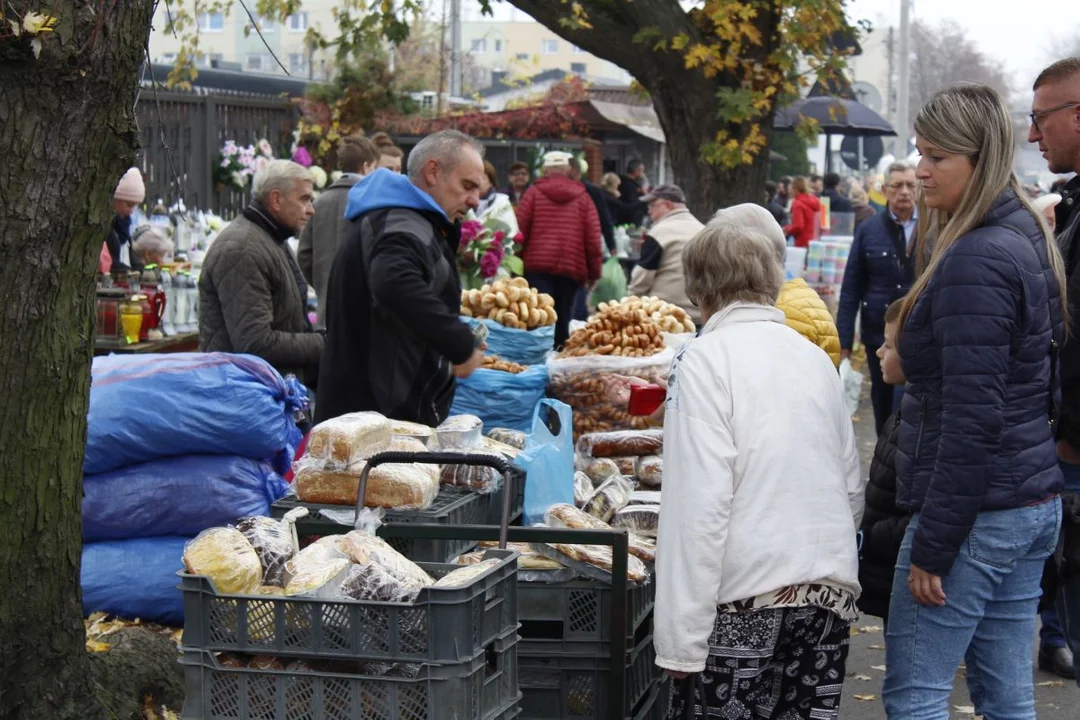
(976, 461)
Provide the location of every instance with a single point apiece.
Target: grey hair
(899, 166)
(280, 175)
(444, 147)
(725, 264)
(754, 217)
(149, 239)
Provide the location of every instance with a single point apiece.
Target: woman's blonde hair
(857, 195)
(799, 186)
(725, 264)
(971, 119)
(610, 182)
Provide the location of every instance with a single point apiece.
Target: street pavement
(1055, 699)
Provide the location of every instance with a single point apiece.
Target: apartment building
(229, 38)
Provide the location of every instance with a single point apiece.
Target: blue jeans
(992, 596)
(1068, 600)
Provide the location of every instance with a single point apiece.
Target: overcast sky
(1020, 34)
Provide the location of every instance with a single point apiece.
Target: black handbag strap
(693, 682)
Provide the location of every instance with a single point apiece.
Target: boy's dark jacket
(883, 525)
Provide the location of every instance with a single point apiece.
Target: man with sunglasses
(880, 269)
(1055, 126)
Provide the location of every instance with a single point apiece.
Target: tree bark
(683, 97)
(67, 133)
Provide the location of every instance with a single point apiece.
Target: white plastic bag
(852, 382)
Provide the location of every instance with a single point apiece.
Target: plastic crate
(579, 611)
(555, 686)
(517, 499)
(450, 507)
(656, 703)
(441, 626)
(484, 688)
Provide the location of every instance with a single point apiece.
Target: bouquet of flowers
(238, 164)
(487, 251)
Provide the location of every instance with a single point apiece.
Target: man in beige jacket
(659, 272)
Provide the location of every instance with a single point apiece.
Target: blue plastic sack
(153, 406)
(177, 496)
(525, 347)
(135, 579)
(501, 399)
(548, 460)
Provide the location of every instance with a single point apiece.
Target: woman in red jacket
(803, 210)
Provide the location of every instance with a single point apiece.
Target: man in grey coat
(320, 239)
(252, 295)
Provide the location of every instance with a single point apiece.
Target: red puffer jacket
(561, 230)
(803, 226)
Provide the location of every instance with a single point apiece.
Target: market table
(182, 342)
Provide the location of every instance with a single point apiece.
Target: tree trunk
(67, 133)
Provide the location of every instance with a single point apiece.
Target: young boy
(883, 523)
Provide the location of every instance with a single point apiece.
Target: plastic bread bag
(323, 551)
(609, 498)
(492, 445)
(649, 471)
(469, 558)
(645, 497)
(598, 557)
(346, 440)
(321, 580)
(514, 438)
(364, 548)
(583, 488)
(464, 576)
(480, 478)
(639, 519)
(375, 583)
(225, 556)
(528, 559)
(563, 515)
(460, 432)
(621, 443)
(412, 430)
(272, 542)
(598, 470)
(404, 486)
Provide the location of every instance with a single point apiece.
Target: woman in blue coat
(976, 461)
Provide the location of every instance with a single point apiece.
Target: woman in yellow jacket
(805, 311)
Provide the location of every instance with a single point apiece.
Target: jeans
(992, 596)
(881, 393)
(1068, 599)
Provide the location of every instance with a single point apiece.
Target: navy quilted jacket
(975, 432)
(874, 278)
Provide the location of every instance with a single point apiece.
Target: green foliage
(793, 148)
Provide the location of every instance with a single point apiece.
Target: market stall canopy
(835, 116)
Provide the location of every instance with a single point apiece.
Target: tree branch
(255, 25)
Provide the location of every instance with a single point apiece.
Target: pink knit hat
(131, 187)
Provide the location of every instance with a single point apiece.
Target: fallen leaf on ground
(876, 647)
(1050, 683)
(870, 629)
(878, 667)
(865, 698)
(862, 677)
(964, 709)
(97, 646)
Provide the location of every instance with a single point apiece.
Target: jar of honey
(131, 317)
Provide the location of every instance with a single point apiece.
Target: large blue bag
(153, 406)
(177, 496)
(135, 579)
(501, 399)
(548, 460)
(525, 347)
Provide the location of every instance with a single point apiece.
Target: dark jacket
(1068, 237)
(393, 332)
(883, 525)
(976, 348)
(321, 236)
(561, 230)
(863, 212)
(607, 229)
(878, 272)
(837, 202)
(120, 236)
(251, 300)
(630, 197)
(777, 211)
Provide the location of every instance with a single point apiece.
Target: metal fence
(182, 133)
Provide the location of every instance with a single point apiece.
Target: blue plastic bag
(135, 579)
(548, 460)
(177, 496)
(153, 406)
(525, 347)
(501, 399)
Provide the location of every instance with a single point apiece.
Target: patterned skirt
(779, 663)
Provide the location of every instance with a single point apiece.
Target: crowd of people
(959, 288)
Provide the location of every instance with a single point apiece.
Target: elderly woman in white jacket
(757, 564)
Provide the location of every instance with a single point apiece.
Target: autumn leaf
(35, 23)
(1050, 683)
(870, 629)
(97, 646)
(879, 668)
(861, 677)
(876, 647)
(964, 709)
(865, 698)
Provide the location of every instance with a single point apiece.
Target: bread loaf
(225, 556)
(620, 444)
(272, 542)
(346, 440)
(609, 498)
(643, 520)
(403, 486)
(563, 515)
(649, 471)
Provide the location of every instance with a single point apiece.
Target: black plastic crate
(483, 687)
(579, 611)
(441, 626)
(656, 703)
(450, 507)
(555, 686)
(517, 499)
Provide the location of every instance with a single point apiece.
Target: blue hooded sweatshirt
(387, 189)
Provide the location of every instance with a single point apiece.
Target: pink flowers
(302, 156)
(469, 230)
(489, 264)
(485, 252)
